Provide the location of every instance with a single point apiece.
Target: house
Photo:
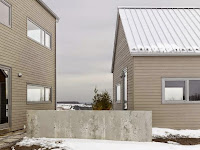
(156, 64)
(27, 60)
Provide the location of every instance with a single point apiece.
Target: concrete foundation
(107, 125)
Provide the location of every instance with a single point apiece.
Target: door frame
(9, 69)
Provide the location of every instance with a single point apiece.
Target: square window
(35, 93)
(174, 90)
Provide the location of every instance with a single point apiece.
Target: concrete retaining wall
(107, 125)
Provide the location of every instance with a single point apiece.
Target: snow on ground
(166, 133)
(77, 144)
(71, 106)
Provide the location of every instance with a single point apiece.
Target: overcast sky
(85, 37)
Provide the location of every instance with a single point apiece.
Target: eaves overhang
(48, 9)
(164, 54)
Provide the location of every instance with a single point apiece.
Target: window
(39, 35)
(194, 90)
(5, 13)
(118, 93)
(36, 93)
(47, 94)
(48, 40)
(125, 89)
(174, 90)
(180, 90)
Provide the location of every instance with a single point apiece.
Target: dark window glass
(3, 96)
(194, 90)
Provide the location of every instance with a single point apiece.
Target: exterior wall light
(20, 75)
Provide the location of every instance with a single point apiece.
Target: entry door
(4, 97)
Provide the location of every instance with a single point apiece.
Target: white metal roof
(162, 31)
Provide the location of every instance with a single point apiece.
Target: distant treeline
(68, 102)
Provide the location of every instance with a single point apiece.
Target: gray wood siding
(123, 60)
(34, 61)
(148, 74)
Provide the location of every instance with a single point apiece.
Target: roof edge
(48, 9)
(164, 54)
(115, 42)
(156, 7)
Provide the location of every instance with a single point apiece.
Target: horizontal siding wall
(23, 55)
(148, 74)
(123, 60)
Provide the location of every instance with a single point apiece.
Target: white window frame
(116, 100)
(10, 13)
(45, 32)
(38, 102)
(186, 101)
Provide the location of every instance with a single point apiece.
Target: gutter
(164, 54)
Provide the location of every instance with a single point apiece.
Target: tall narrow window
(125, 89)
(47, 94)
(194, 90)
(38, 34)
(47, 40)
(5, 13)
(118, 93)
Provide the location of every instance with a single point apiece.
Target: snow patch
(169, 133)
(171, 142)
(77, 144)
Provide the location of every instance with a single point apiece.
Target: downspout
(55, 68)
